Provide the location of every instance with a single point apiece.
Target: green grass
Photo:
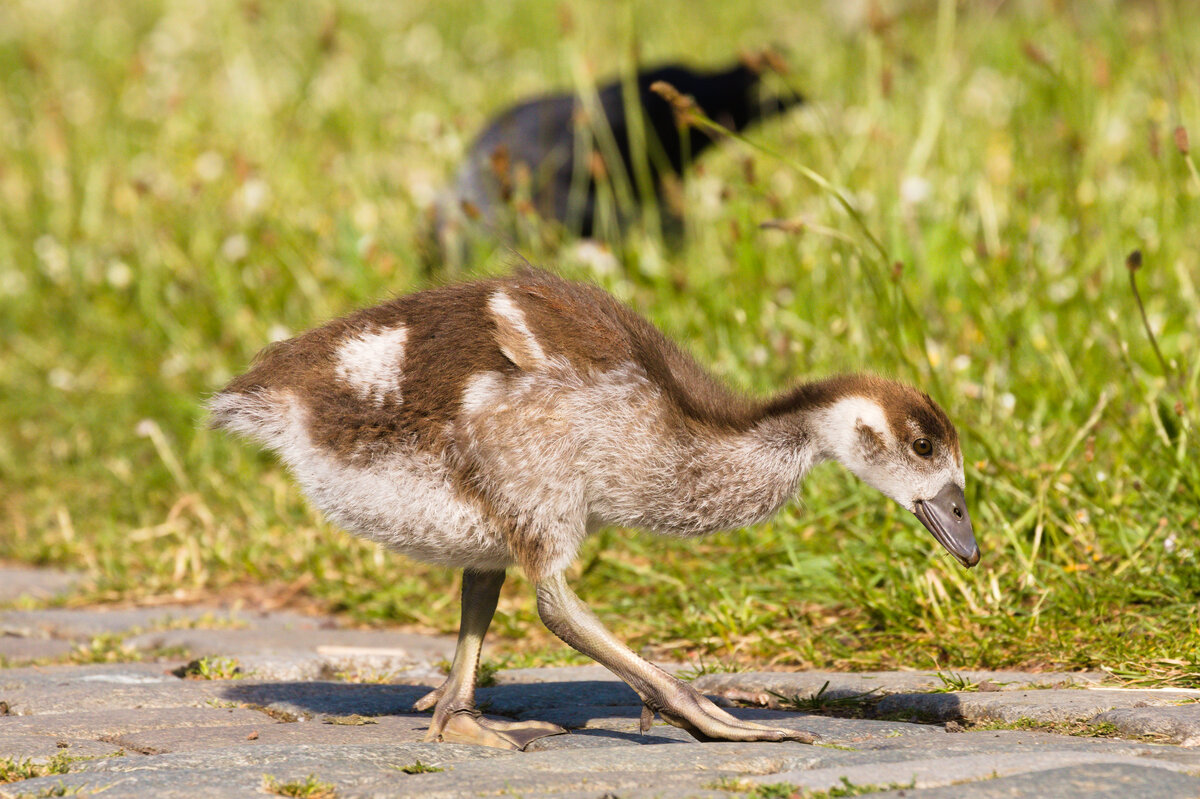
(353, 720)
(104, 648)
(820, 702)
(953, 682)
(179, 184)
(17, 769)
(699, 667)
(210, 668)
(14, 769)
(417, 767)
(308, 788)
(786, 790)
(1080, 729)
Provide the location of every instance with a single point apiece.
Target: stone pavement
(298, 697)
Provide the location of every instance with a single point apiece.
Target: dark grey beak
(946, 517)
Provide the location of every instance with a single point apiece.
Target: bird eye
(923, 447)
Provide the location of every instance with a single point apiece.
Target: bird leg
(455, 718)
(676, 702)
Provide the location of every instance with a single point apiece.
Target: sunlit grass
(182, 183)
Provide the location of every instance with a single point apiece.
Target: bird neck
(721, 480)
(719, 474)
(824, 418)
(742, 475)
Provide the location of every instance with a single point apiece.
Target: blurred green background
(181, 183)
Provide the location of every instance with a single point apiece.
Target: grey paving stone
(575, 717)
(357, 783)
(20, 581)
(358, 776)
(83, 623)
(895, 755)
(284, 667)
(353, 769)
(1048, 705)
(419, 675)
(749, 758)
(593, 766)
(97, 724)
(231, 632)
(20, 746)
(18, 649)
(970, 756)
(306, 756)
(325, 698)
(1188, 756)
(588, 673)
(626, 721)
(999, 741)
(690, 789)
(262, 638)
(602, 726)
(181, 784)
(194, 740)
(600, 737)
(510, 700)
(58, 689)
(937, 771)
(842, 732)
(1092, 781)
(761, 687)
(684, 769)
(61, 689)
(1179, 724)
(354, 663)
(388, 730)
(593, 785)
(386, 664)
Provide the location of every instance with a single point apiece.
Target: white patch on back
(373, 363)
(405, 499)
(515, 339)
(483, 393)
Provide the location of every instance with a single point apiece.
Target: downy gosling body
(500, 422)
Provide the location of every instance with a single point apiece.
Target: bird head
(897, 440)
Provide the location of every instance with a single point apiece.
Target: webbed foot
(682, 706)
(469, 727)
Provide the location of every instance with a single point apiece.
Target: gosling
(500, 422)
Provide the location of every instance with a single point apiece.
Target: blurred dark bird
(552, 156)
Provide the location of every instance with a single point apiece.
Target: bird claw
(647, 719)
(430, 699)
(688, 709)
(711, 729)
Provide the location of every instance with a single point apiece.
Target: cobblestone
(297, 676)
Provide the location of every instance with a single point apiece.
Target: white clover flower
(253, 195)
(209, 166)
(915, 190)
(235, 248)
(119, 274)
